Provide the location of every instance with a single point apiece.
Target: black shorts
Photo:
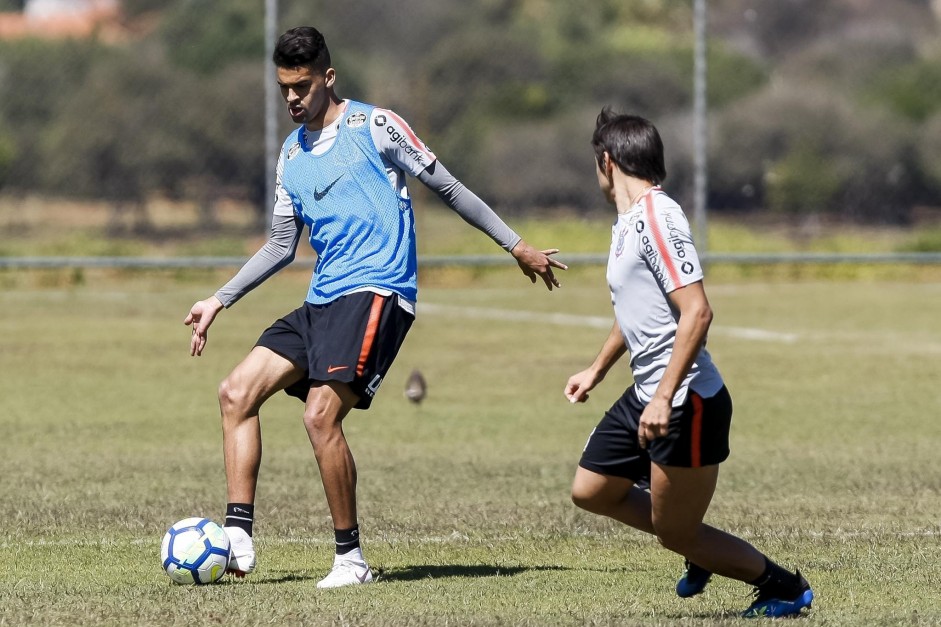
(698, 436)
(353, 339)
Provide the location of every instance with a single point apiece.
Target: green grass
(111, 433)
(177, 228)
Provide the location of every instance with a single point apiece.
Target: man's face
(306, 92)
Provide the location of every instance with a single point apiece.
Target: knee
(587, 499)
(317, 420)
(677, 539)
(233, 398)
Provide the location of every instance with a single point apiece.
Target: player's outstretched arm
(538, 263)
(201, 316)
(534, 263)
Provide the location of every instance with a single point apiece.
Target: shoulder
(663, 202)
(393, 136)
(661, 208)
(357, 114)
(389, 122)
(291, 144)
(292, 137)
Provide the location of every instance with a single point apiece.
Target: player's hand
(538, 263)
(654, 421)
(201, 316)
(579, 384)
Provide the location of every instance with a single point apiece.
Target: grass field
(110, 433)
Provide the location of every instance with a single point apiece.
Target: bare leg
(680, 498)
(252, 382)
(328, 403)
(613, 497)
(673, 511)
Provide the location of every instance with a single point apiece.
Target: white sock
(355, 555)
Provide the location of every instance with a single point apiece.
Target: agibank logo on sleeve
(402, 141)
(675, 236)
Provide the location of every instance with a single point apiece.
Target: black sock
(241, 515)
(347, 539)
(695, 571)
(776, 581)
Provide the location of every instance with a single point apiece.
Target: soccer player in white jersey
(670, 429)
(341, 173)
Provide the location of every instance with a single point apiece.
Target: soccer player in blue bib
(670, 430)
(342, 174)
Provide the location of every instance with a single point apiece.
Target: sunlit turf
(111, 433)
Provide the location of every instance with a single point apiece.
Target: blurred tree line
(816, 106)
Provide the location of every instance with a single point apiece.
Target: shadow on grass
(413, 573)
(408, 573)
(282, 578)
(725, 615)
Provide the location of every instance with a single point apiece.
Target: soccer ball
(195, 551)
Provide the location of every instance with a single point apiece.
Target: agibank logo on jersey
(402, 141)
(675, 236)
(653, 258)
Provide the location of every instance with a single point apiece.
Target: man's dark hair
(632, 142)
(303, 46)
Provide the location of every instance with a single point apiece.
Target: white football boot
(349, 569)
(241, 553)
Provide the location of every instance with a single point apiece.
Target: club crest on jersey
(296, 148)
(356, 120)
(620, 246)
(380, 120)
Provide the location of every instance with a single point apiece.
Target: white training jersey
(652, 254)
(402, 152)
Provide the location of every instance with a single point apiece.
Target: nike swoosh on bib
(318, 195)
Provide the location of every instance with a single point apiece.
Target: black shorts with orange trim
(353, 339)
(698, 436)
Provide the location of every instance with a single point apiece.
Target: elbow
(702, 316)
(286, 260)
(706, 315)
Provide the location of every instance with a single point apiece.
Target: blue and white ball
(195, 551)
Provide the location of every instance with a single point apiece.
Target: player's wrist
(662, 398)
(598, 371)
